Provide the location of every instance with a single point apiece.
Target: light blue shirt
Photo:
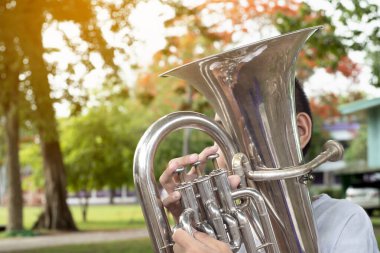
(343, 227)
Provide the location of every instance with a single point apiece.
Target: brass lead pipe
(333, 152)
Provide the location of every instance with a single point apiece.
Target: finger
(191, 175)
(172, 203)
(219, 246)
(204, 238)
(234, 181)
(178, 249)
(203, 158)
(222, 160)
(207, 152)
(184, 240)
(171, 199)
(201, 242)
(166, 178)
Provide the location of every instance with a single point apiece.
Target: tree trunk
(15, 203)
(84, 212)
(112, 196)
(84, 207)
(57, 214)
(9, 96)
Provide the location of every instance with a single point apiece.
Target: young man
(342, 226)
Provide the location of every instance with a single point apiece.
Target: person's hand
(169, 179)
(200, 243)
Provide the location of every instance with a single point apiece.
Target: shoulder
(342, 225)
(337, 212)
(333, 215)
(340, 213)
(324, 205)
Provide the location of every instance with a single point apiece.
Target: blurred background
(79, 85)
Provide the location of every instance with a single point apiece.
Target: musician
(342, 226)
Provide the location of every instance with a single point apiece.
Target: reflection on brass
(251, 88)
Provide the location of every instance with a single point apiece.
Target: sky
(148, 25)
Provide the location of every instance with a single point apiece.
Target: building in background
(345, 129)
(327, 176)
(365, 172)
(371, 109)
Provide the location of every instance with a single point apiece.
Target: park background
(79, 85)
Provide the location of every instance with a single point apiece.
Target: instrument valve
(181, 174)
(214, 161)
(198, 169)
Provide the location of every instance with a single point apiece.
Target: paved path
(16, 244)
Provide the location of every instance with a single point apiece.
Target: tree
(325, 111)
(352, 16)
(99, 147)
(232, 22)
(30, 158)
(198, 36)
(57, 214)
(202, 36)
(9, 98)
(357, 151)
(25, 22)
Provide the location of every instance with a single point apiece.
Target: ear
(304, 127)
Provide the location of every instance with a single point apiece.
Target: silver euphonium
(251, 88)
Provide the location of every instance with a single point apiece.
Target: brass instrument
(251, 88)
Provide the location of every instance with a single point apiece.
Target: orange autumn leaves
(209, 27)
(326, 106)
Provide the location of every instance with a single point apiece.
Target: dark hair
(302, 105)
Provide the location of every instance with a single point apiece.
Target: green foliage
(22, 49)
(336, 193)
(330, 48)
(358, 147)
(172, 147)
(374, 57)
(324, 49)
(97, 153)
(365, 13)
(31, 159)
(168, 95)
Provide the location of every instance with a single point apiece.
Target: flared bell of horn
(251, 82)
(252, 90)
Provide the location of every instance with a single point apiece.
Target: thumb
(188, 243)
(234, 181)
(212, 243)
(182, 238)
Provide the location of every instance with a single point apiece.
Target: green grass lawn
(107, 217)
(110, 217)
(130, 246)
